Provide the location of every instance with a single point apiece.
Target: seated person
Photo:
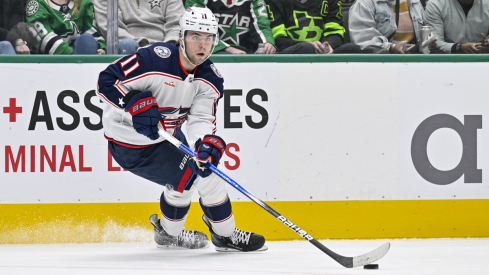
(10, 41)
(64, 27)
(154, 21)
(461, 25)
(376, 28)
(242, 25)
(308, 27)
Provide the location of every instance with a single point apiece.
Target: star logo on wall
(231, 32)
(155, 3)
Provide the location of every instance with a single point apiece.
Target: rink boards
(354, 147)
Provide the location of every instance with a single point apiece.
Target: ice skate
(186, 239)
(239, 241)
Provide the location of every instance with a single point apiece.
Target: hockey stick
(349, 262)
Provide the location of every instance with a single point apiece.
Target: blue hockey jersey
(181, 96)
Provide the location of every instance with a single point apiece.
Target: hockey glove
(145, 115)
(210, 149)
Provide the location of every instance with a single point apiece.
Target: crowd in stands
(250, 26)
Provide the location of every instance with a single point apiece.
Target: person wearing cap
(161, 87)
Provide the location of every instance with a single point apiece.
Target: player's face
(198, 46)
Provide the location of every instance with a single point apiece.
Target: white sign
(53, 148)
(296, 132)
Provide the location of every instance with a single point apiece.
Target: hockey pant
(166, 165)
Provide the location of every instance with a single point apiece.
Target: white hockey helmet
(200, 20)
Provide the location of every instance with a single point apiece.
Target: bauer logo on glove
(143, 105)
(145, 113)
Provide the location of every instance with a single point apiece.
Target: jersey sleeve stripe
(150, 74)
(54, 46)
(214, 109)
(107, 100)
(210, 84)
(46, 39)
(255, 24)
(119, 88)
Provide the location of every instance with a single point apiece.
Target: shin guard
(173, 217)
(220, 217)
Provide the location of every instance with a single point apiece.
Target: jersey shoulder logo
(32, 8)
(162, 52)
(216, 71)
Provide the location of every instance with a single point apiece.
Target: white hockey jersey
(181, 96)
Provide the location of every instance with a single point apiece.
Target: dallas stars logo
(301, 31)
(70, 37)
(155, 3)
(231, 31)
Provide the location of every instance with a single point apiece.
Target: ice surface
(411, 256)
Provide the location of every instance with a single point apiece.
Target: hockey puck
(371, 266)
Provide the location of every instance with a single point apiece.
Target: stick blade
(371, 256)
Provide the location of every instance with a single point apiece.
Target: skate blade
(174, 247)
(227, 249)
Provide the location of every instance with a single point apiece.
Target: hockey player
(243, 25)
(170, 84)
(65, 27)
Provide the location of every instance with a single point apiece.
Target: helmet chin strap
(182, 47)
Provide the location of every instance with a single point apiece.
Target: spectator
(308, 26)
(154, 21)
(65, 27)
(377, 26)
(461, 25)
(242, 25)
(11, 15)
(345, 8)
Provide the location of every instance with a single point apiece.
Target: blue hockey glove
(145, 115)
(210, 149)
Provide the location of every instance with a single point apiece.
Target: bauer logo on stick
(294, 227)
